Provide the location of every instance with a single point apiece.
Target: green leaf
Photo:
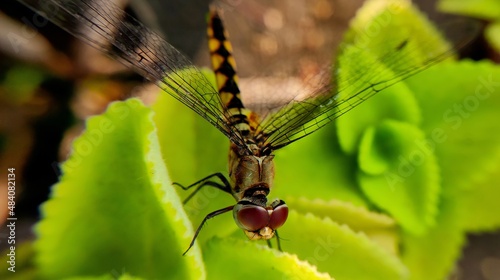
(408, 187)
(383, 26)
(380, 228)
(193, 149)
(356, 217)
(315, 167)
(486, 9)
(480, 203)
(459, 121)
(184, 136)
(376, 17)
(374, 42)
(113, 276)
(232, 258)
(114, 209)
(396, 102)
(492, 34)
(433, 255)
(338, 250)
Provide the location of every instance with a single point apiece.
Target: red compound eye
(250, 217)
(278, 217)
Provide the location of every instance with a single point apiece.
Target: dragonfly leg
(278, 240)
(207, 217)
(225, 186)
(268, 241)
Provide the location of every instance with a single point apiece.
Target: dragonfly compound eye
(251, 217)
(278, 216)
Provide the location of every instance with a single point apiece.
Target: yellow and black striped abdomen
(224, 67)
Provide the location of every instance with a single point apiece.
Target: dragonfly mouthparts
(263, 233)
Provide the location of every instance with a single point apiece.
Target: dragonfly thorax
(248, 172)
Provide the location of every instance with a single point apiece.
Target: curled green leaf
(409, 187)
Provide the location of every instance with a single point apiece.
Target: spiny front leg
(225, 186)
(207, 217)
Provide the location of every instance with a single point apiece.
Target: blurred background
(51, 82)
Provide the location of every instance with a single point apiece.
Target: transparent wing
(108, 28)
(361, 71)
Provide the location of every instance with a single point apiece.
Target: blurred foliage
(377, 196)
(492, 34)
(21, 82)
(488, 10)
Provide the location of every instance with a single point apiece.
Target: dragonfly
(254, 136)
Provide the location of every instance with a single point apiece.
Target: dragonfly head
(260, 222)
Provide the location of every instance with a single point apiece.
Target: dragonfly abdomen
(224, 67)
